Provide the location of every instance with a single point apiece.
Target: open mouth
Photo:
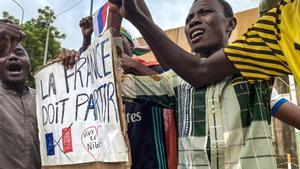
(196, 33)
(14, 68)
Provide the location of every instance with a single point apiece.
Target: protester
(153, 145)
(145, 118)
(18, 127)
(279, 105)
(10, 37)
(224, 125)
(269, 48)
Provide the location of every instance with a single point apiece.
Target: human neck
(206, 53)
(18, 88)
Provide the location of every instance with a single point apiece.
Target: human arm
(257, 55)
(114, 22)
(86, 26)
(143, 7)
(194, 70)
(129, 65)
(156, 88)
(289, 113)
(285, 110)
(69, 57)
(10, 36)
(135, 67)
(115, 19)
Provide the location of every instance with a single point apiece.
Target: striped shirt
(271, 47)
(225, 125)
(146, 132)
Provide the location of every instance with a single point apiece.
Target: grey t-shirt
(19, 145)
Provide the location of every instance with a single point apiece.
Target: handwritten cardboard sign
(78, 113)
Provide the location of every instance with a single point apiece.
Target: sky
(167, 14)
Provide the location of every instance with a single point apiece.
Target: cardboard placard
(80, 113)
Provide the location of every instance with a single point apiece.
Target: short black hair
(227, 8)
(228, 12)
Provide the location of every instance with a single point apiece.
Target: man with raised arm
(224, 125)
(153, 145)
(18, 127)
(270, 48)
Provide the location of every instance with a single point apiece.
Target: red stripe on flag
(104, 13)
(67, 140)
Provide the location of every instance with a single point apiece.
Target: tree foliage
(36, 32)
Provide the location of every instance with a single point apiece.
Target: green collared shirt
(225, 125)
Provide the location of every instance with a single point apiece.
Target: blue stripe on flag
(101, 17)
(50, 144)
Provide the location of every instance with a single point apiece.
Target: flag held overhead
(100, 19)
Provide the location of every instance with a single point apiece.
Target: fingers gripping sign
(128, 64)
(69, 57)
(74, 56)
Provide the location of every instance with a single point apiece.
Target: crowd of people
(223, 116)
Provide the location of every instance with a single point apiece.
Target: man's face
(206, 26)
(15, 68)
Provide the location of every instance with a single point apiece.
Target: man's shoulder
(31, 91)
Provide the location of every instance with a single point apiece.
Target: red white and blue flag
(100, 19)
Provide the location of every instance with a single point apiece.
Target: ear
(231, 24)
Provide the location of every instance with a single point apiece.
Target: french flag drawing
(100, 19)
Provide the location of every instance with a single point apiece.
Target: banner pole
(91, 8)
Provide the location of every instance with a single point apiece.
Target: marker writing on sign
(99, 103)
(54, 113)
(94, 70)
(51, 87)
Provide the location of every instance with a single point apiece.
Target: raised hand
(10, 36)
(127, 8)
(86, 25)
